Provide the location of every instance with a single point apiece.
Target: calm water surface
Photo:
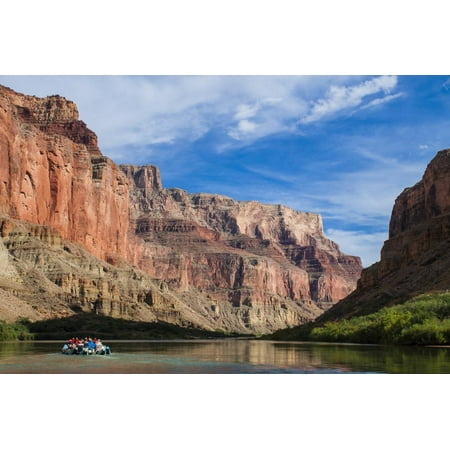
(223, 357)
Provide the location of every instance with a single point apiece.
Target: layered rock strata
(45, 276)
(243, 252)
(240, 266)
(53, 173)
(416, 257)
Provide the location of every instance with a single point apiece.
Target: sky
(341, 146)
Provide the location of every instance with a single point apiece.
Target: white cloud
(243, 128)
(269, 115)
(340, 98)
(365, 245)
(246, 111)
(246, 125)
(145, 111)
(382, 100)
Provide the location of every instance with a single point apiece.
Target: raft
(80, 350)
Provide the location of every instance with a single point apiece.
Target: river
(224, 357)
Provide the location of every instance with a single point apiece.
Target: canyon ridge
(79, 233)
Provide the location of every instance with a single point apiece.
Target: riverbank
(93, 325)
(422, 320)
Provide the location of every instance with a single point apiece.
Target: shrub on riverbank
(423, 320)
(15, 331)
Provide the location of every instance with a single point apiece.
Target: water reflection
(224, 356)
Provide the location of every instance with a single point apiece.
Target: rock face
(415, 259)
(237, 266)
(44, 276)
(215, 243)
(53, 173)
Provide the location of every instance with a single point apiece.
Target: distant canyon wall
(247, 266)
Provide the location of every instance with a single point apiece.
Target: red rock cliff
(419, 221)
(241, 266)
(53, 173)
(243, 252)
(415, 259)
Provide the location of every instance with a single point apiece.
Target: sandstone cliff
(44, 276)
(53, 173)
(238, 266)
(212, 242)
(415, 259)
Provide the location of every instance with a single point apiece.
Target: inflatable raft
(83, 350)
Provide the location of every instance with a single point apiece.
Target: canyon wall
(214, 242)
(237, 266)
(415, 259)
(53, 173)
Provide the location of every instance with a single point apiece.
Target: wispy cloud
(382, 100)
(146, 111)
(151, 110)
(339, 98)
(365, 195)
(246, 111)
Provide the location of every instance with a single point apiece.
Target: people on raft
(86, 346)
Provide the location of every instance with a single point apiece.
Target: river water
(224, 357)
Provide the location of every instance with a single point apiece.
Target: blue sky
(341, 146)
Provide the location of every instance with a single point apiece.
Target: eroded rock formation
(238, 266)
(45, 276)
(215, 243)
(52, 173)
(415, 259)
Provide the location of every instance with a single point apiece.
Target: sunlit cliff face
(241, 266)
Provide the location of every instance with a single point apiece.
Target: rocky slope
(415, 259)
(44, 276)
(238, 266)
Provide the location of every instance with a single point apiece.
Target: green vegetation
(15, 331)
(423, 320)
